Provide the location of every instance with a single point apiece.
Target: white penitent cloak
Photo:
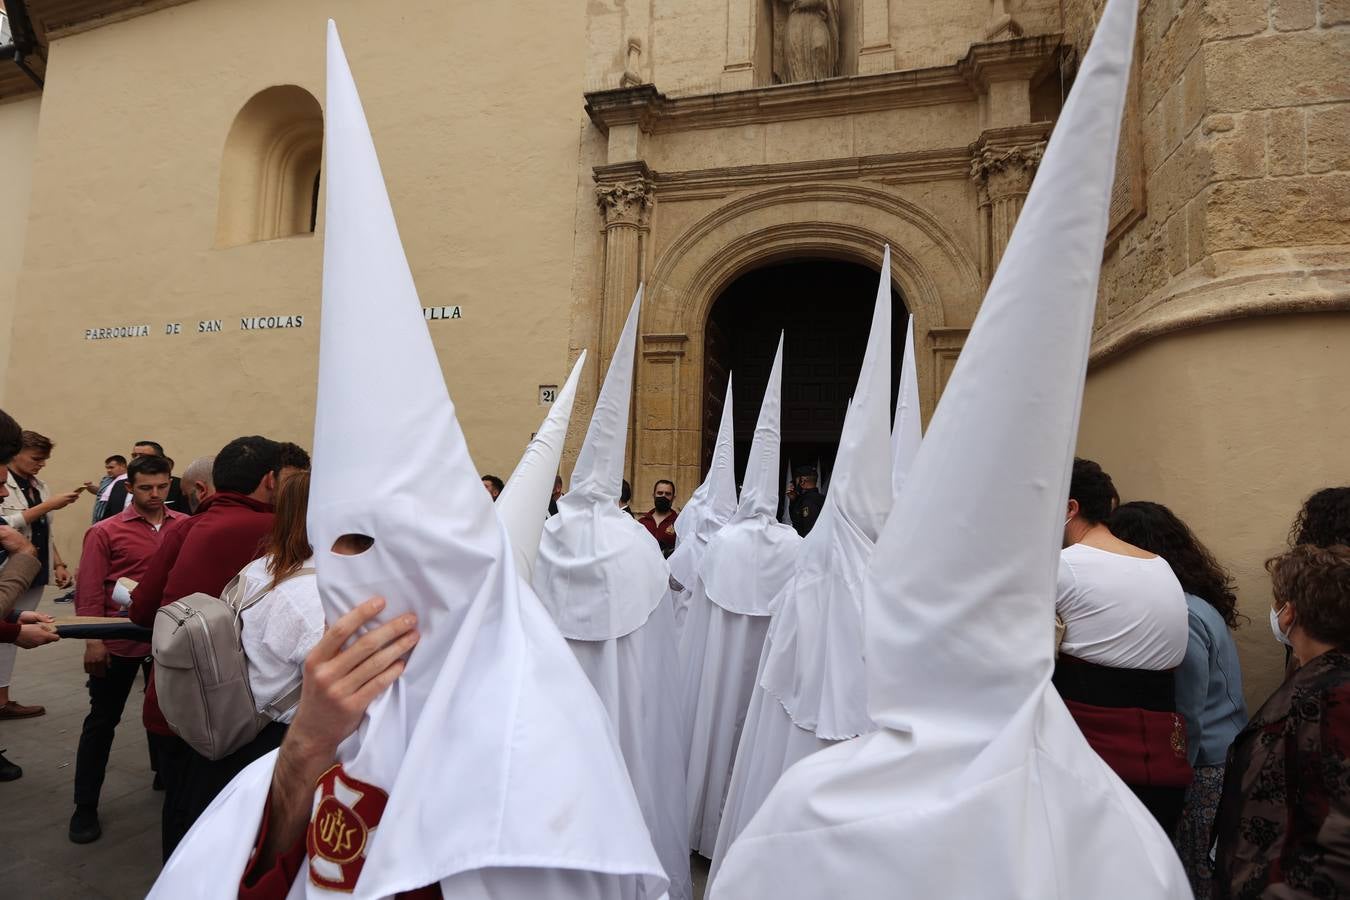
(746, 563)
(489, 767)
(811, 689)
(978, 784)
(710, 507)
(523, 504)
(907, 432)
(602, 578)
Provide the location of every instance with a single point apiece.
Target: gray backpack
(201, 673)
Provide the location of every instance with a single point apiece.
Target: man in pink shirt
(118, 547)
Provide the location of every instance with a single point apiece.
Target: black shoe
(9, 771)
(84, 827)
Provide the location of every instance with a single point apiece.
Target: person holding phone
(27, 509)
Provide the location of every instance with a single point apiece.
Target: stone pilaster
(876, 53)
(1003, 165)
(626, 196)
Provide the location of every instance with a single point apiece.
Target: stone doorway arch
(936, 272)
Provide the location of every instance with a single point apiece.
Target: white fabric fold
(709, 508)
(523, 504)
(907, 430)
(812, 663)
(602, 577)
(977, 783)
(750, 557)
(598, 571)
(745, 565)
(491, 751)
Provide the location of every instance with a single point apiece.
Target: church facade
(746, 160)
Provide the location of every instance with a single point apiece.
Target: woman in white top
(282, 627)
(279, 630)
(1125, 631)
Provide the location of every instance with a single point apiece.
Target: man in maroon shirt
(201, 556)
(120, 546)
(660, 520)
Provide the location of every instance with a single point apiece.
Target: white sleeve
(1065, 587)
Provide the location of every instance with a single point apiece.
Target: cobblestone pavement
(39, 861)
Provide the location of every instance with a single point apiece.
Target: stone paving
(39, 861)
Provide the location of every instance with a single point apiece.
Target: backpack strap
(290, 698)
(263, 591)
(285, 703)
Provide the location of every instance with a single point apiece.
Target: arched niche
(269, 171)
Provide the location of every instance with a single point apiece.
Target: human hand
(339, 684)
(61, 501)
(31, 636)
(341, 680)
(90, 487)
(31, 617)
(95, 658)
(13, 541)
(61, 576)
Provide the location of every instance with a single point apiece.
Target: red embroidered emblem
(346, 812)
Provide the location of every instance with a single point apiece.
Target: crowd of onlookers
(1146, 661)
(1149, 670)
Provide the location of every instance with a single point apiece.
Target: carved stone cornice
(888, 168)
(625, 193)
(1015, 59)
(655, 112)
(626, 105)
(1004, 160)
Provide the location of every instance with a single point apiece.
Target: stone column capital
(626, 193)
(1004, 161)
(625, 203)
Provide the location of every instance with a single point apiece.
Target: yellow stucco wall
(1232, 426)
(124, 216)
(18, 138)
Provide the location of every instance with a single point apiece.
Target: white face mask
(1280, 635)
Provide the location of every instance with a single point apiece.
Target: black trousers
(174, 757)
(208, 777)
(107, 698)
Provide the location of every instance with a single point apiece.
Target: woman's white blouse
(1121, 611)
(279, 631)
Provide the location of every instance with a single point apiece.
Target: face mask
(1281, 636)
(662, 504)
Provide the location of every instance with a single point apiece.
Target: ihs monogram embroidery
(346, 813)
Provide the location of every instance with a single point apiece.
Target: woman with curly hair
(1324, 520)
(1208, 681)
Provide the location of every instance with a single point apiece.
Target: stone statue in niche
(806, 47)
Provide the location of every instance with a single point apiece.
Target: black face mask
(662, 504)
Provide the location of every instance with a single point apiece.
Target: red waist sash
(1144, 747)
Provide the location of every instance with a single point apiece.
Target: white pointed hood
(786, 515)
(813, 661)
(907, 432)
(599, 572)
(524, 501)
(750, 557)
(710, 507)
(490, 691)
(975, 746)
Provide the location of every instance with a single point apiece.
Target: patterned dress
(1283, 826)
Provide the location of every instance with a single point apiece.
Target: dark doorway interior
(825, 306)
